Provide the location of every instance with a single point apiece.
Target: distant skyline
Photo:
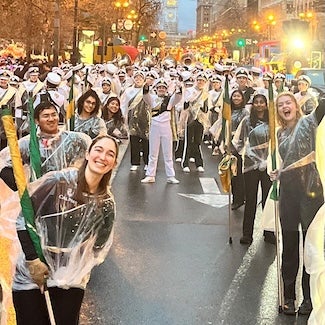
(186, 15)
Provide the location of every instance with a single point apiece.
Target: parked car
(317, 77)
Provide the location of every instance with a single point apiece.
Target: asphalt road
(171, 262)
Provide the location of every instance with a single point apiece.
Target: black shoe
(246, 240)
(237, 205)
(305, 308)
(289, 307)
(269, 237)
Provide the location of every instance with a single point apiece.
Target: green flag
(19, 174)
(35, 157)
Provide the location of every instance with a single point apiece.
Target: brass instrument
(169, 62)
(124, 61)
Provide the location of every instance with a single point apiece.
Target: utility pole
(74, 57)
(56, 39)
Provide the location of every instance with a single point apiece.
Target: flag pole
(226, 134)
(25, 200)
(274, 194)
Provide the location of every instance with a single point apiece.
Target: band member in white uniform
(160, 129)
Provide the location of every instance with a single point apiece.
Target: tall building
(169, 17)
(203, 17)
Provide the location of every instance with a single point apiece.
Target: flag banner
(35, 157)
(70, 114)
(20, 178)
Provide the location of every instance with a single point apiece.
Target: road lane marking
(211, 194)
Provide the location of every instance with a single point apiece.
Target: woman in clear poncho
(87, 119)
(251, 141)
(301, 191)
(74, 214)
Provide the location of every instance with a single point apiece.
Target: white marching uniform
(161, 131)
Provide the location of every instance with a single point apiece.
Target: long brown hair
(82, 186)
(299, 112)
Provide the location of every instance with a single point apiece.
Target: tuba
(187, 59)
(148, 61)
(169, 62)
(124, 61)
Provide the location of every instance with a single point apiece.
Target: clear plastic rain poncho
(93, 126)
(253, 144)
(58, 151)
(298, 170)
(74, 237)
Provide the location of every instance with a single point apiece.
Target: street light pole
(74, 58)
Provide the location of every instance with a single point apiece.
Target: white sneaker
(145, 167)
(192, 160)
(133, 168)
(200, 169)
(186, 170)
(178, 160)
(148, 179)
(172, 180)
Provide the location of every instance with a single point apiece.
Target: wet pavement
(171, 262)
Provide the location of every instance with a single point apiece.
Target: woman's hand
(274, 175)
(38, 271)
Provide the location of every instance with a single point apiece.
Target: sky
(186, 15)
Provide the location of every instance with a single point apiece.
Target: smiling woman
(301, 191)
(74, 212)
(87, 120)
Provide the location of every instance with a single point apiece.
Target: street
(171, 262)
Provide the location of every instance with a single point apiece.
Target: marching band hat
(256, 71)
(58, 71)
(53, 78)
(33, 71)
(152, 74)
(139, 73)
(106, 81)
(161, 82)
(111, 68)
(216, 78)
(218, 67)
(242, 72)
(5, 74)
(305, 79)
(202, 76)
(279, 76)
(121, 72)
(268, 76)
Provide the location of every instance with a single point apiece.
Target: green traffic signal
(142, 37)
(241, 42)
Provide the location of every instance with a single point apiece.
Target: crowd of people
(178, 107)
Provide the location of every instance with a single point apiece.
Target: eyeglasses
(89, 102)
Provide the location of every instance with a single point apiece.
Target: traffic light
(240, 42)
(143, 37)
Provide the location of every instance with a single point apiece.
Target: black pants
(252, 179)
(139, 145)
(193, 140)
(290, 265)
(237, 182)
(31, 309)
